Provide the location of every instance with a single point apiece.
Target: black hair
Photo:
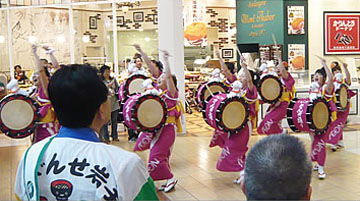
(76, 93)
(255, 77)
(128, 60)
(336, 63)
(159, 65)
(322, 72)
(47, 73)
(45, 60)
(175, 81)
(336, 67)
(137, 56)
(17, 66)
(230, 66)
(102, 71)
(277, 168)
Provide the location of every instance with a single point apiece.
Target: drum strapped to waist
(18, 115)
(202, 92)
(146, 113)
(309, 116)
(270, 89)
(131, 86)
(342, 98)
(226, 114)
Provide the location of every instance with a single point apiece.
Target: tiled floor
(193, 163)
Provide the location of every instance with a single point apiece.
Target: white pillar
(115, 41)
(11, 63)
(171, 38)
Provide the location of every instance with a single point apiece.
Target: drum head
(343, 96)
(213, 89)
(234, 115)
(320, 115)
(135, 86)
(150, 113)
(17, 114)
(270, 89)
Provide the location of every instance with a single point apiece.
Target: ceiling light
(86, 39)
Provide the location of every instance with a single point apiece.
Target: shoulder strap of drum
(30, 169)
(225, 83)
(162, 93)
(327, 97)
(152, 78)
(249, 101)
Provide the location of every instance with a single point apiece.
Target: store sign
(296, 57)
(258, 20)
(342, 33)
(195, 32)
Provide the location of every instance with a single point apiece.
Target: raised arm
(329, 86)
(170, 82)
(153, 70)
(224, 68)
(283, 71)
(347, 74)
(40, 69)
(247, 73)
(50, 52)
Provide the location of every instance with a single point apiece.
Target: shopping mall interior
(198, 36)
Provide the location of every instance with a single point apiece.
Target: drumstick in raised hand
(207, 87)
(274, 39)
(337, 58)
(161, 50)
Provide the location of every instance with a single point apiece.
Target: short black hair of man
(277, 168)
(17, 66)
(76, 93)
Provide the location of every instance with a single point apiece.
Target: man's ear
(308, 193)
(101, 111)
(242, 184)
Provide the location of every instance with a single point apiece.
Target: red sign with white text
(342, 33)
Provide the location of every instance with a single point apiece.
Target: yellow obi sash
(287, 95)
(50, 115)
(173, 120)
(329, 99)
(257, 104)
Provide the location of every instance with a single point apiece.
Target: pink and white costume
(235, 145)
(48, 125)
(271, 124)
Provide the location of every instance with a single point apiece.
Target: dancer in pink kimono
(156, 70)
(161, 144)
(318, 146)
(271, 124)
(336, 130)
(227, 69)
(235, 146)
(48, 124)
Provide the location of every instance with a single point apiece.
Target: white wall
(316, 38)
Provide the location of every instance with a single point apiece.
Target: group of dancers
(234, 145)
